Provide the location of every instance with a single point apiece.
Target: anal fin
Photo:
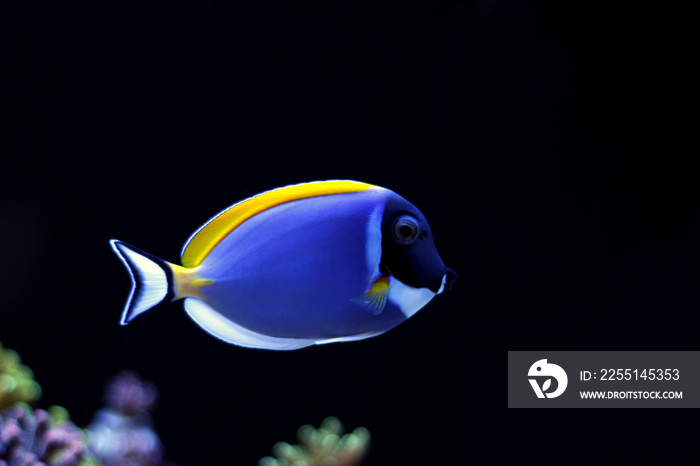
(230, 332)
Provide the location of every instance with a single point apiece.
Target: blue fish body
(301, 265)
(304, 287)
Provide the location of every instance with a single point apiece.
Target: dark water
(550, 147)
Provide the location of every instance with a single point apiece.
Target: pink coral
(30, 438)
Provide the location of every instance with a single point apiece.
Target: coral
(34, 438)
(326, 446)
(122, 433)
(128, 395)
(16, 381)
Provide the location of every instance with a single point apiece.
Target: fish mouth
(442, 285)
(448, 281)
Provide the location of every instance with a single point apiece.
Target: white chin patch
(410, 300)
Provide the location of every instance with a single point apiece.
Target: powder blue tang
(305, 264)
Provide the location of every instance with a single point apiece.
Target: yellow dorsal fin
(375, 299)
(207, 237)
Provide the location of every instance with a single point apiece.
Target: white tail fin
(151, 280)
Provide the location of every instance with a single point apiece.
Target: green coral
(326, 446)
(16, 380)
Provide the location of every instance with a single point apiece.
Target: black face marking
(412, 262)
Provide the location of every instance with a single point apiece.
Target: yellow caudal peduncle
(188, 283)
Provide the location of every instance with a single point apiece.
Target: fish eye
(405, 230)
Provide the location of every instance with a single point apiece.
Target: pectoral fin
(375, 299)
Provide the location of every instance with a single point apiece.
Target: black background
(549, 145)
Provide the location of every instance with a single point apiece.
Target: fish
(301, 265)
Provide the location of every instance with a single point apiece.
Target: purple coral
(122, 433)
(127, 394)
(30, 438)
